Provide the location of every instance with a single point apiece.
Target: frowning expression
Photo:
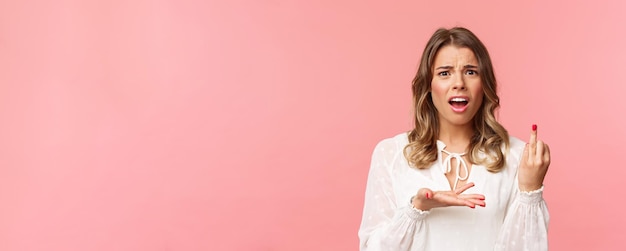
(456, 86)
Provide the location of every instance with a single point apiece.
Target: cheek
(479, 96)
(480, 99)
(477, 91)
(437, 90)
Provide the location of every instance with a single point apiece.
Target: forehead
(453, 55)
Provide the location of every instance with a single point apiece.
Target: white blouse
(511, 220)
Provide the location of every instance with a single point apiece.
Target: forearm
(405, 231)
(526, 224)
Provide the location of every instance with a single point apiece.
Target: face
(456, 88)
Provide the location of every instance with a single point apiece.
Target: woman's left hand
(534, 164)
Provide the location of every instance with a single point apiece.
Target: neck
(456, 137)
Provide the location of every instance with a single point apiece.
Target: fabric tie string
(446, 166)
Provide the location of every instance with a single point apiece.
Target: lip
(459, 109)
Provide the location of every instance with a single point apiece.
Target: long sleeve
(525, 223)
(389, 223)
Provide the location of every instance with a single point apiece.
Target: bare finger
(532, 142)
(546, 154)
(525, 156)
(472, 196)
(477, 202)
(538, 158)
(463, 188)
(425, 193)
(463, 202)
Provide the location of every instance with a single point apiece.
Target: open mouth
(458, 104)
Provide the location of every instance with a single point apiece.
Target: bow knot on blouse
(446, 166)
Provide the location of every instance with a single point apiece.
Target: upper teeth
(459, 100)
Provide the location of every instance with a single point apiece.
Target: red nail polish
(534, 127)
(427, 195)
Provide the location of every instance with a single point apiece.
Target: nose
(458, 83)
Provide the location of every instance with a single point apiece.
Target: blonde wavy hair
(489, 139)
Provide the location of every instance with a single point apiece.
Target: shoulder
(389, 149)
(396, 142)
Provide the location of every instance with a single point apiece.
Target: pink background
(248, 125)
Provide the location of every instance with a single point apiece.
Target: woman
(457, 181)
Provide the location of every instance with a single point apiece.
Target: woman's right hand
(427, 199)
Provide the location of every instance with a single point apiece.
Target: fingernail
(427, 195)
(534, 127)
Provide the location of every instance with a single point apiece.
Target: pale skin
(455, 73)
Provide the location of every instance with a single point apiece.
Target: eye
(443, 73)
(471, 72)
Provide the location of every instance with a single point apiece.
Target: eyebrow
(446, 67)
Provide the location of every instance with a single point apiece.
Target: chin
(460, 121)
